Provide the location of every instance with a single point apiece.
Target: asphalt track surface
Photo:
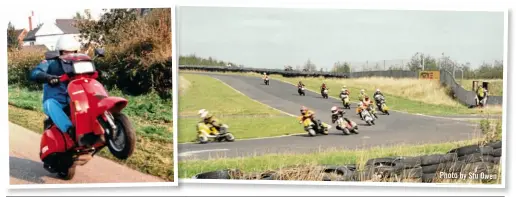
(394, 129)
(25, 166)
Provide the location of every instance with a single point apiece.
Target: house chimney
(30, 23)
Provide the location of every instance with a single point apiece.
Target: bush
(19, 65)
(142, 63)
(139, 64)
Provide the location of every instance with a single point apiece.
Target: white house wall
(51, 40)
(48, 29)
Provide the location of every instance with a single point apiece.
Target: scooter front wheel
(122, 146)
(229, 137)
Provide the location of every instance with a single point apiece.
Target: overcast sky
(272, 38)
(19, 17)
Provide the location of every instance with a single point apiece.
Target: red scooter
(97, 118)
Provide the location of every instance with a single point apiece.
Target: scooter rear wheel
(67, 174)
(127, 133)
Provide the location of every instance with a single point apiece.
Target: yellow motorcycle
(380, 103)
(313, 128)
(205, 133)
(345, 101)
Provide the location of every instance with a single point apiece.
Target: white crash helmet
(362, 91)
(334, 109)
(378, 90)
(203, 113)
(67, 43)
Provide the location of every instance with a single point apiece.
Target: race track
(398, 128)
(25, 166)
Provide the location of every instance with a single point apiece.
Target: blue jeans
(54, 109)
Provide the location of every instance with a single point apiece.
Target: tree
(106, 29)
(309, 66)
(12, 38)
(339, 67)
(416, 63)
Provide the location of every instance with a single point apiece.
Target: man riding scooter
(55, 95)
(305, 114)
(210, 120)
(337, 113)
(323, 87)
(362, 95)
(364, 105)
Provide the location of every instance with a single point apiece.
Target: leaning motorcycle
(97, 117)
(346, 127)
(313, 129)
(366, 114)
(345, 101)
(380, 103)
(205, 133)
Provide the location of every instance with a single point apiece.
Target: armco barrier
(468, 162)
(465, 96)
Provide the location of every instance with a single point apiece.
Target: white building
(47, 34)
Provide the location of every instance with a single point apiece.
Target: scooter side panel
(53, 141)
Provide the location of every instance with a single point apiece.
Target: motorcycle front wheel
(311, 132)
(346, 131)
(229, 137)
(122, 145)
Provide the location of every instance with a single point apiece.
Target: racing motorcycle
(205, 133)
(324, 93)
(266, 80)
(344, 126)
(380, 103)
(313, 128)
(301, 90)
(345, 101)
(366, 114)
(97, 117)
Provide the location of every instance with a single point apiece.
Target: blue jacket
(46, 68)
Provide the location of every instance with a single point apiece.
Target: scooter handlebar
(66, 77)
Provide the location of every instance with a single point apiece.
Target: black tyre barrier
(219, 174)
(496, 160)
(476, 157)
(453, 166)
(437, 159)
(495, 145)
(497, 152)
(426, 168)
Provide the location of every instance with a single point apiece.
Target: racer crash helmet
(334, 110)
(377, 90)
(303, 109)
(203, 113)
(67, 43)
(362, 91)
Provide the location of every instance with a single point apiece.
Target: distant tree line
(492, 70)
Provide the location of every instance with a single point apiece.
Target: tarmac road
(25, 166)
(393, 129)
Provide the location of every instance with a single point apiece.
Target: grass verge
(247, 118)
